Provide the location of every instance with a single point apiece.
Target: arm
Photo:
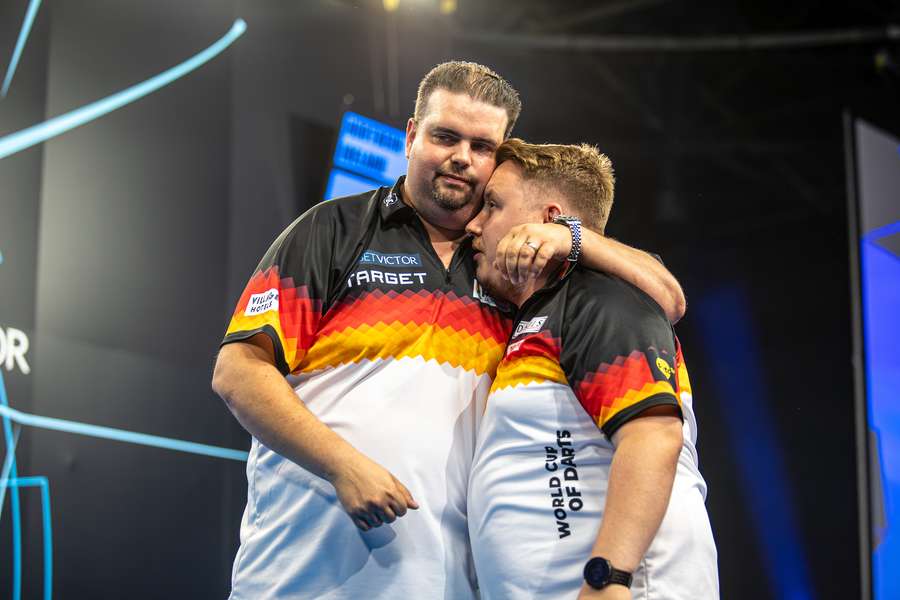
(266, 406)
(640, 484)
(518, 261)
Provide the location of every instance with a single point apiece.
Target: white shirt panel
(523, 549)
(296, 539)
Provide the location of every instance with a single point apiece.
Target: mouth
(454, 179)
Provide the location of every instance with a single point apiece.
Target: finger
(399, 507)
(500, 254)
(387, 515)
(410, 501)
(398, 502)
(527, 252)
(543, 256)
(512, 257)
(371, 516)
(361, 523)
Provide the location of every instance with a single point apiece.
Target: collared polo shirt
(394, 352)
(586, 355)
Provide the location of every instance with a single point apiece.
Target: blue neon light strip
(30, 14)
(7, 467)
(13, 496)
(120, 435)
(16, 142)
(44, 484)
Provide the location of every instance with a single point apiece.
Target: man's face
(505, 206)
(451, 156)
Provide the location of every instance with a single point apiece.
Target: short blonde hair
(477, 81)
(580, 172)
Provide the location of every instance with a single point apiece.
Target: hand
(610, 592)
(370, 494)
(518, 261)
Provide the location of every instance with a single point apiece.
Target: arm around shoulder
(519, 261)
(638, 268)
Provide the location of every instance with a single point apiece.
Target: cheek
(485, 168)
(490, 237)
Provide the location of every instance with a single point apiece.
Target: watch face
(597, 572)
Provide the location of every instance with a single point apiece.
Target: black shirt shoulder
(618, 348)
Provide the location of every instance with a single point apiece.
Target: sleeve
(285, 295)
(623, 359)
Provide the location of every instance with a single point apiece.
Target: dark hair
(478, 81)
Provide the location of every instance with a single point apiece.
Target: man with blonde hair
(369, 303)
(585, 480)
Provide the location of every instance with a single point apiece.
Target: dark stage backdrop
(126, 241)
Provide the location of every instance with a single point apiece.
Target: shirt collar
(393, 208)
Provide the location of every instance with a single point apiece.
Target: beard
(451, 200)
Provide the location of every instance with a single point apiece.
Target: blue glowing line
(44, 484)
(16, 142)
(30, 14)
(120, 435)
(7, 467)
(13, 497)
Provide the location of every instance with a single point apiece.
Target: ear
(551, 211)
(411, 130)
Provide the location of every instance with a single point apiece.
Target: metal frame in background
(861, 428)
(869, 477)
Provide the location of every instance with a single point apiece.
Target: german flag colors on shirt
(395, 352)
(605, 340)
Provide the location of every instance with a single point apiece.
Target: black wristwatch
(599, 573)
(574, 225)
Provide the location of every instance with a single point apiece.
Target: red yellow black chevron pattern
(294, 322)
(617, 386)
(434, 325)
(534, 359)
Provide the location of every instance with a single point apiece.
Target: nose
(462, 155)
(474, 226)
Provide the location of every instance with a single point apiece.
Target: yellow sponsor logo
(664, 368)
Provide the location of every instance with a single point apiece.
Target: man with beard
(370, 305)
(585, 480)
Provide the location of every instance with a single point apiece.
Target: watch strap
(620, 577)
(599, 573)
(574, 225)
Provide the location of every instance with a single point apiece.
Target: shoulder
(343, 208)
(339, 216)
(593, 294)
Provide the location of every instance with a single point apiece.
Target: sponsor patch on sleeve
(262, 302)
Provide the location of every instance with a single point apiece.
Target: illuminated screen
(368, 154)
(878, 197)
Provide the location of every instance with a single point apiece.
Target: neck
(436, 233)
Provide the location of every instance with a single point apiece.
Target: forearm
(636, 267)
(266, 406)
(528, 249)
(640, 485)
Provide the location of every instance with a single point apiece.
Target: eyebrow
(455, 133)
